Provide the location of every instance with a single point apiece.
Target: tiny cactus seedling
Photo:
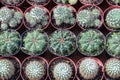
(62, 43)
(12, 2)
(38, 2)
(71, 2)
(112, 69)
(10, 42)
(91, 42)
(91, 1)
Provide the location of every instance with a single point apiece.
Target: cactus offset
(12, 2)
(72, 2)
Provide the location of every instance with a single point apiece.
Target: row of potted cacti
(59, 68)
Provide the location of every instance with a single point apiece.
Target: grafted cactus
(62, 43)
(72, 2)
(91, 42)
(112, 68)
(38, 2)
(10, 42)
(12, 2)
(91, 1)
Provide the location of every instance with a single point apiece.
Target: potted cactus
(35, 42)
(96, 2)
(90, 68)
(63, 17)
(62, 68)
(36, 17)
(91, 42)
(89, 16)
(62, 43)
(71, 2)
(113, 2)
(112, 18)
(113, 44)
(10, 42)
(34, 68)
(9, 68)
(112, 69)
(10, 18)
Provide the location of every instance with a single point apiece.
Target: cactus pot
(68, 2)
(113, 2)
(8, 21)
(65, 65)
(39, 20)
(34, 68)
(63, 16)
(95, 2)
(90, 65)
(89, 16)
(113, 18)
(12, 65)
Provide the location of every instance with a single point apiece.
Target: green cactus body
(88, 69)
(91, 1)
(62, 43)
(72, 2)
(113, 44)
(91, 42)
(12, 2)
(38, 2)
(37, 16)
(7, 69)
(116, 2)
(112, 68)
(35, 42)
(113, 18)
(10, 42)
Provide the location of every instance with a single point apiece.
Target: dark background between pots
(76, 55)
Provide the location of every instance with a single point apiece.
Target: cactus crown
(112, 68)
(12, 2)
(113, 18)
(38, 2)
(72, 2)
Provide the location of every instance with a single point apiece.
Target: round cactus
(38, 2)
(10, 42)
(112, 18)
(91, 42)
(35, 42)
(12, 2)
(62, 43)
(72, 2)
(91, 1)
(112, 68)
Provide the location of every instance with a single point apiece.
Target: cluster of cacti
(91, 42)
(62, 43)
(88, 17)
(38, 2)
(63, 15)
(37, 17)
(112, 68)
(35, 42)
(72, 2)
(91, 1)
(112, 18)
(113, 44)
(88, 69)
(10, 18)
(116, 2)
(10, 42)
(12, 2)
(7, 69)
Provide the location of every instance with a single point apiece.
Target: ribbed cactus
(91, 1)
(10, 18)
(62, 43)
(113, 44)
(38, 2)
(116, 2)
(112, 68)
(113, 18)
(10, 42)
(72, 2)
(91, 42)
(37, 17)
(7, 69)
(88, 69)
(12, 2)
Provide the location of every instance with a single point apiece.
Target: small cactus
(62, 43)
(112, 19)
(112, 68)
(10, 42)
(72, 2)
(38, 2)
(11, 2)
(37, 17)
(91, 1)
(91, 42)
(114, 2)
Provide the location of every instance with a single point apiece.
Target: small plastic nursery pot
(62, 68)
(62, 22)
(95, 2)
(88, 64)
(12, 65)
(35, 16)
(36, 68)
(68, 2)
(113, 15)
(113, 2)
(87, 14)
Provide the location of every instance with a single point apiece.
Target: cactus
(112, 68)
(10, 41)
(62, 43)
(91, 1)
(113, 18)
(116, 2)
(91, 42)
(12, 2)
(7, 69)
(113, 44)
(88, 69)
(37, 17)
(10, 18)
(35, 42)
(72, 2)
(38, 2)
